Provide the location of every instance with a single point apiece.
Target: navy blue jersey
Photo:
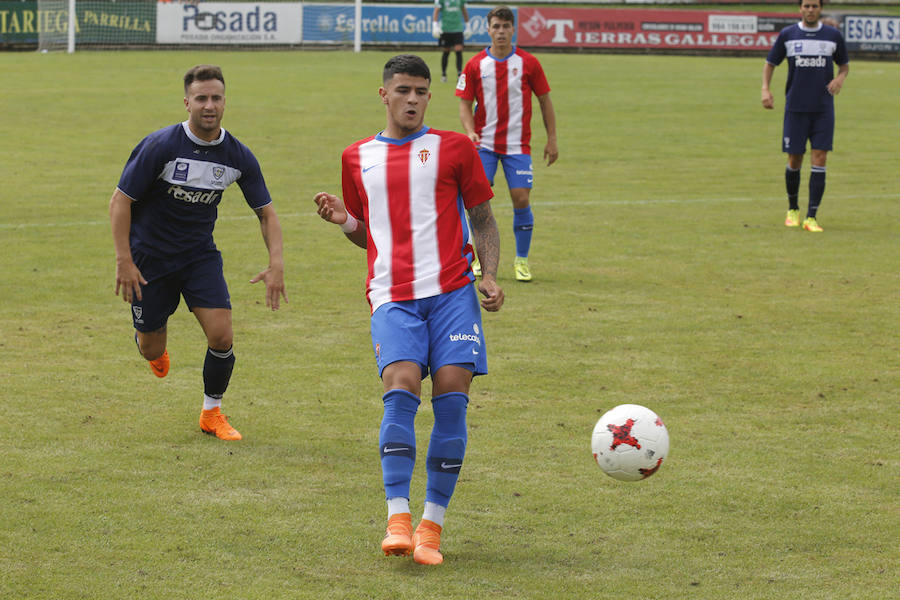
(176, 181)
(811, 54)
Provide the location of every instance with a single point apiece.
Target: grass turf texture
(663, 276)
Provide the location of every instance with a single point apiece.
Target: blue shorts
(516, 167)
(201, 282)
(431, 332)
(816, 127)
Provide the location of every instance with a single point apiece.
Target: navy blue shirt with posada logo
(176, 181)
(811, 54)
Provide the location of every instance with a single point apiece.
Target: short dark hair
(800, 2)
(504, 13)
(406, 64)
(202, 73)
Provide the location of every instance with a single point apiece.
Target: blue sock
(523, 224)
(397, 441)
(217, 372)
(447, 446)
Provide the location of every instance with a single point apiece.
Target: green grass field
(664, 277)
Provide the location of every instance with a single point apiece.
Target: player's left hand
(493, 294)
(551, 152)
(834, 86)
(273, 275)
(330, 208)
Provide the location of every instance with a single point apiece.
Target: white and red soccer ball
(630, 442)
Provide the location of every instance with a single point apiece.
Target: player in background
(812, 49)
(406, 193)
(162, 215)
(500, 80)
(450, 31)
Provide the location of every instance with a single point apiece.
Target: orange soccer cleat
(160, 366)
(427, 540)
(215, 423)
(398, 538)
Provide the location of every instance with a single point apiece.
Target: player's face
(205, 103)
(406, 98)
(811, 10)
(501, 33)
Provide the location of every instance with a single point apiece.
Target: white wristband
(349, 226)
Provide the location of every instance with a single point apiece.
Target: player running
(162, 214)
(500, 79)
(406, 192)
(812, 49)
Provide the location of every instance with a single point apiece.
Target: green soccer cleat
(523, 273)
(476, 267)
(809, 224)
(792, 219)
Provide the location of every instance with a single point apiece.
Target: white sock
(397, 505)
(434, 513)
(210, 403)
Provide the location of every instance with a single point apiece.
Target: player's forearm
(768, 70)
(359, 237)
(120, 224)
(549, 116)
(487, 237)
(272, 236)
(843, 71)
(466, 117)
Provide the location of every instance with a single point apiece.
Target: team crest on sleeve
(461, 82)
(424, 153)
(181, 171)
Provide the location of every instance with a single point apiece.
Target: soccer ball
(630, 442)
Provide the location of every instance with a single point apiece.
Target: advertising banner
(228, 23)
(95, 22)
(384, 24)
(663, 29)
(871, 33)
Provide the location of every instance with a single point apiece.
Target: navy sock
(217, 371)
(523, 225)
(459, 61)
(397, 440)
(792, 183)
(445, 58)
(816, 190)
(447, 447)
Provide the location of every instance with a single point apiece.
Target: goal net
(103, 24)
(67, 25)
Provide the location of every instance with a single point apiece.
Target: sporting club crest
(423, 155)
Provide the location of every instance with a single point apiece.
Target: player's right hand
(129, 280)
(493, 294)
(435, 29)
(330, 208)
(768, 101)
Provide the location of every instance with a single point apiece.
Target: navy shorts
(800, 127)
(201, 282)
(516, 167)
(431, 332)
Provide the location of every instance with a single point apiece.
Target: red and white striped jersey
(501, 88)
(412, 195)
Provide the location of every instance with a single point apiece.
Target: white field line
(538, 204)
